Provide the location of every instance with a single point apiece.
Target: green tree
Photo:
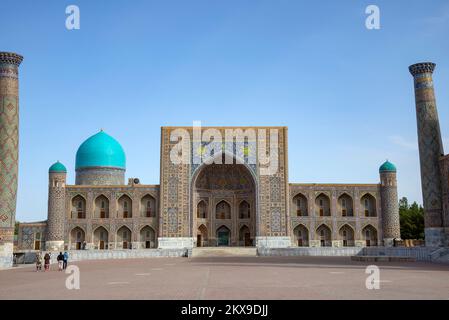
(412, 220)
(16, 228)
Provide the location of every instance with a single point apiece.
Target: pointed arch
(245, 236)
(201, 210)
(300, 205)
(148, 206)
(346, 234)
(77, 238)
(345, 205)
(125, 207)
(147, 237)
(368, 205)
(202, 236)
(301, 234)
(101, 238)
(223, 210)
(223, 236)
(101, 207)
(323, 205)
(216, 182)
(324, 234)
(244, 210)
(124, 236)
(78, 207)
(369, 235)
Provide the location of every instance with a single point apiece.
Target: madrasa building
(234, 192)
(232, 198)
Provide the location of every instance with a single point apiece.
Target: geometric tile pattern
(56, 206)
(9, 136)
(430, 143)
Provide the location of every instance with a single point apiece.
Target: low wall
(309, 251)
(80, 255)
(419, 253)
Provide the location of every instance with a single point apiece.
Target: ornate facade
(9, 151)
(231, 193)
(434, 170)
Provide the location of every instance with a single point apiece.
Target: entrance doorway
(223, 236)
(224, 199)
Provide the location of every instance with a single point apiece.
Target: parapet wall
(81, 255)
(420, 254)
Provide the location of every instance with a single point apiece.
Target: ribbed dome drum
(100, 160)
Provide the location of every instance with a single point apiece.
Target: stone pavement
(230, 278)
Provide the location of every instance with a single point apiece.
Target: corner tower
(430, 151)
(56, 207)
(389, 202)
(9, 152)
(100, 160)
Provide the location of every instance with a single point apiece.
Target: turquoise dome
(57, 167)
(387, 167)
(100, 150)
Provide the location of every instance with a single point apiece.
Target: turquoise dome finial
(57, 167)
(100, 150)
(387, 166)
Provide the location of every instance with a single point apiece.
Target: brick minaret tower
(9, 152)
(430, 151)
(389, 202)
(56, 207)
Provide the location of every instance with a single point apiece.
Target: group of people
(62, 259)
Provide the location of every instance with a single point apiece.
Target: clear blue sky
(344, 91)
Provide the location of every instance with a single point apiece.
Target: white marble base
(435, 237)
(175, 243)
(273, 242)
(6, 255)
(54, 245)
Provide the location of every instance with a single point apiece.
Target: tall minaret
(430, 151)
(9, 152)
(56, 207)
(389, 202)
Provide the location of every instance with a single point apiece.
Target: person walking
(60, 260)
(38, 262)
(47, 261)
(66, 260)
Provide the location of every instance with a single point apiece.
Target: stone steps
(224, 252)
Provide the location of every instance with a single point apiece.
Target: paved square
(230, 278)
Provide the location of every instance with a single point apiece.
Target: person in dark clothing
(47, 261)
(66, 259)
(60, 259)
